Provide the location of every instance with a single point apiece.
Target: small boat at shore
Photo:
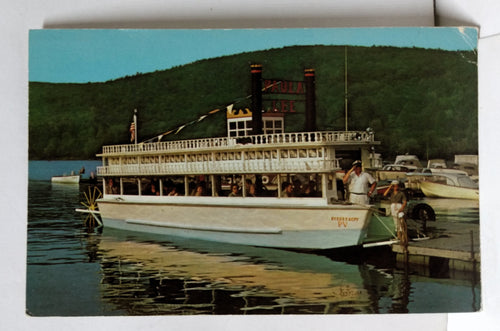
(66, 179)
(450, 185)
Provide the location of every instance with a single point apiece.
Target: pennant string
(229, 108)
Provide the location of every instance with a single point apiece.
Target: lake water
(75, 272)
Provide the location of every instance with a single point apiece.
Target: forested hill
(417, 101)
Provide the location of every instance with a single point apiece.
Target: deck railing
(280, 139)
(221, 167)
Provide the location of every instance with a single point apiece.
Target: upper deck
(267, 153)
(264, 141)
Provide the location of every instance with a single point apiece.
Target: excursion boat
(450, 185)
(176, 187)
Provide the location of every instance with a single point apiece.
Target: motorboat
(66, 179)
(450, 185)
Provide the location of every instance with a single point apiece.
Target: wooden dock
(451, 245)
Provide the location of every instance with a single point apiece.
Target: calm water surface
(75, 272)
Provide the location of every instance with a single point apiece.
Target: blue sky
(81, 56)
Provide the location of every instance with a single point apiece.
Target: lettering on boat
(343, 221)
(281, 86)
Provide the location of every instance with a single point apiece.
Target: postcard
(253, 172)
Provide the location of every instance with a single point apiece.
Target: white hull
(73, 179)
(437, 190)
(298, 223)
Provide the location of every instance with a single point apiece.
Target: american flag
(132, 131)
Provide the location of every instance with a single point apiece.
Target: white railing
(222, 167)
(279, 139)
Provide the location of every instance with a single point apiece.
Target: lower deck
(303, 223)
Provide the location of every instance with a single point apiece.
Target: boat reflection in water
(145, 277)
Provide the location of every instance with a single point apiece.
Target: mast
(345, 85)
(135, 126)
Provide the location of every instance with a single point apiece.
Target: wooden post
(472, 255)
(243, 188)
(214, 189)
(279, 185)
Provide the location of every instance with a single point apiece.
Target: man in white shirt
(361, 184)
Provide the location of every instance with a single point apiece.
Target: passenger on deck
(310, 190)
(111, 188)
(287, 190)
(235, 191)
(168, 187)
(248, 182)
(173, 192)
(297, 188)
(199, 191)
(361, 184)
(152, 190)
(251, 191)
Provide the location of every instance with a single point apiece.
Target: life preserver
(265, 180)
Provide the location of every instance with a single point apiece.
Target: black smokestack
(310, 81)
(256, 71)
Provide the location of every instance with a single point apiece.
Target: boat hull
(437, 190)
(283, 223)
(73, 179)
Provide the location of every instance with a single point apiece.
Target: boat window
(274, 154)
(466, 182)
(312, 153)
(302, 153)
(284, 154)
(232, 125)
(293, 153)
(267, 155)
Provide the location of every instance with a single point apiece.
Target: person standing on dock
(398, 205)
(361, 184)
